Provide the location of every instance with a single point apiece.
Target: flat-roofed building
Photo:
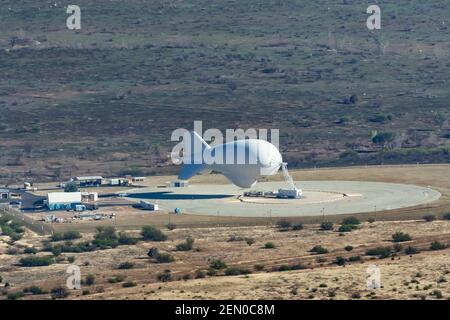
(88, 181)
(63, 200)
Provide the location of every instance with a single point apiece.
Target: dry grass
(291, 249)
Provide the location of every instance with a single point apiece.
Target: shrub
(71, 235)
(116, 279)
(284, 225)
(319, 250)
(71, 259)
(348, 248)
(234, 238)
(106, 237)
(57, 250)
(164, 258)
(269, 245)
(35, 290)
(401, 237)
(57, 236)
(129, 284)
(326, 226)
(211, 272)
(437, 294)
(126, 265)
(371, 220)
(436, 245)
(71, 187)
(125, 239)
(187, 276)
(200, 274)
(351, 221)
(354, 258)
(59, 293)
(340, 261)
(171, 226)
(30, 250)
(446, 216)
(218, 264)
(284, 267)
(383, 137)
(353, 99)
(356, 295)
(345, 228)
(153, 234)
(15, 295)
(164, 276)
(90, 280)
(15, 236)
(236, 271)
(429, 217)
(297, 226)
(259, 267)
(249, 241)
(187, 245)
(298, 267)
(411, 250)
(153, 252)
(382, 252)
(12, 251)
(380, 118)
(36, 261)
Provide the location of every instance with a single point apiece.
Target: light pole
(218, 218)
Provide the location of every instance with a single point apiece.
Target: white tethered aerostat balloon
(241, 161)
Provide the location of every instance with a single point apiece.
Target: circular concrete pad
(320, 197)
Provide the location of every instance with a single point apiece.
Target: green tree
(401, 237)
(106, 237)
(326, 226)
(218, 264)
(90, 280)
(269, 245)
(71, 187)
(59, 293)
(153, 234)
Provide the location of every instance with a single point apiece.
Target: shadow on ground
(174, 196)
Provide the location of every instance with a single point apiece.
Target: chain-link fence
(30, 223)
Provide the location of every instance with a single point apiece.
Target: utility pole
(218, 218)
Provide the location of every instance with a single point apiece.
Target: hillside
(106, 98)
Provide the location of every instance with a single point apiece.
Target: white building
(63, 200)
(89, 196)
